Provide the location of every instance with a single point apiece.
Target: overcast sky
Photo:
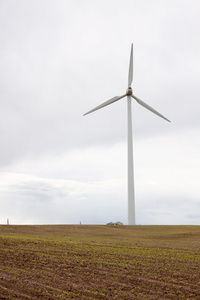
(61, 58)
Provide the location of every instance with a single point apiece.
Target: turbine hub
(129, 91)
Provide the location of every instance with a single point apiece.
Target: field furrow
(99, 262)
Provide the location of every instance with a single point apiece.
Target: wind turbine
(129, 95)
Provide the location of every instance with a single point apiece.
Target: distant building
(116, 223)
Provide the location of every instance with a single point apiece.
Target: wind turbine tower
(129, 95)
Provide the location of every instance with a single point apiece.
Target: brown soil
(98, 262)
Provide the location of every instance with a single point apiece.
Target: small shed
(118, 223)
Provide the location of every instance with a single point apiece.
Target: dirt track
(89, 267)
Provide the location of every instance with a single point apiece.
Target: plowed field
(99, 262)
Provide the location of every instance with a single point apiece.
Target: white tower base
(131, 193)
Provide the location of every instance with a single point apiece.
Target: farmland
(99, 262)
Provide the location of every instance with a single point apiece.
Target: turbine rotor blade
(130, 74)
(149, 108)
(110, 101)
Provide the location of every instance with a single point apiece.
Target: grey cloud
(194, 216)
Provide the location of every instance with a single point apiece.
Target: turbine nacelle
(129, 91)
